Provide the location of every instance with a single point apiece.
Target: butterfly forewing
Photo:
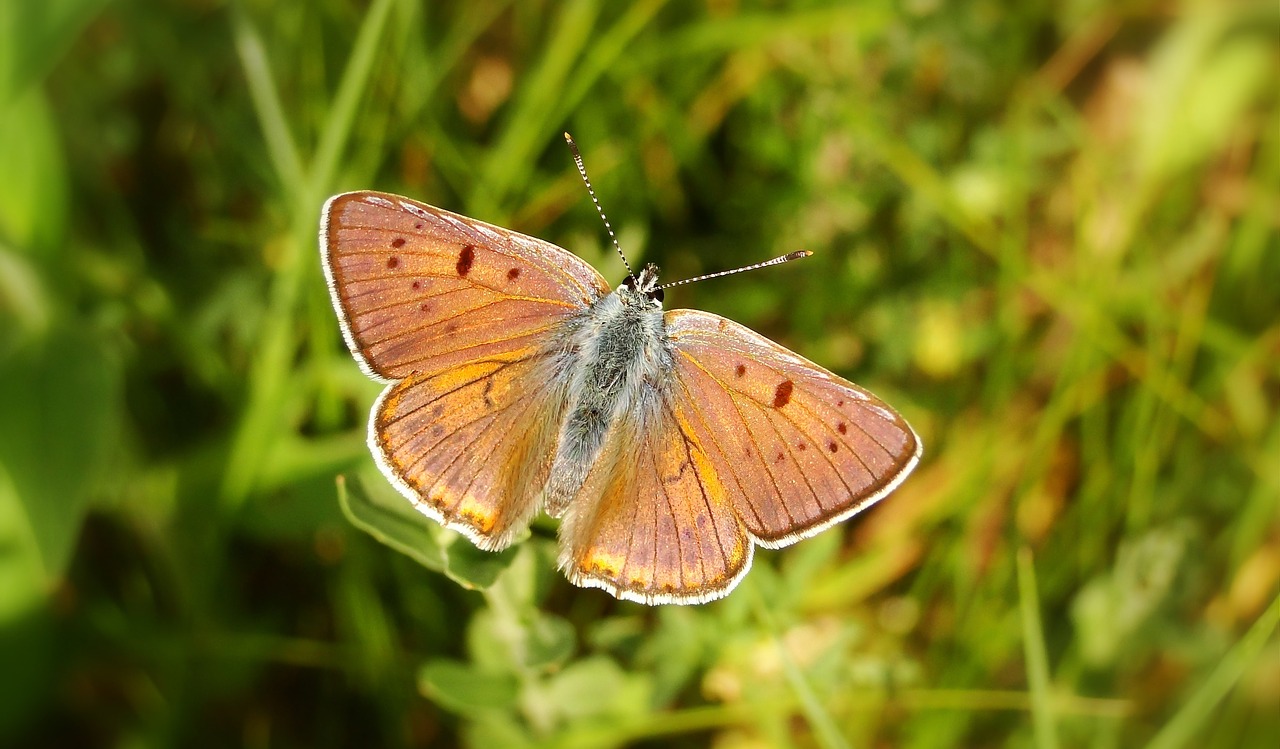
(796, 447)
(458, 315)
(422, 290)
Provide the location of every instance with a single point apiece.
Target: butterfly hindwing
(653, 522)
(471, 447)
(796, 447)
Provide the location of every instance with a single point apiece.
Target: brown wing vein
(475, 476)
(818, 446)
(409, 362)
(750, 436)
(488, 303)
(426, 326)
(702, 487)
(493, 419)
(672, 510)
(502, 365)
(711, 433)
(791, 454)
(892, 455)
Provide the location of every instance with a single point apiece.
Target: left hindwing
(796, 447)
(471, 447)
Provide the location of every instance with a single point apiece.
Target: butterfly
(669, 444)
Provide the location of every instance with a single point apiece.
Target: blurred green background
(1046, 232)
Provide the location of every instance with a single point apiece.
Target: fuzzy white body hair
(617, 354)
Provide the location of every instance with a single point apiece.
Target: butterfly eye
(658, 294)
(629, 282)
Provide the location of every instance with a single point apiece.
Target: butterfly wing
(653, 522)
(420, 289)
(457, 315)
(795, 447)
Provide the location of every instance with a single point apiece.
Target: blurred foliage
(1047, 232)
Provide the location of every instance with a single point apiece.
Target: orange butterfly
(669, 443)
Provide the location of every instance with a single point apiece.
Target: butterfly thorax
(617, 354)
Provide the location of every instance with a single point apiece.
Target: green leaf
(61, 401)
(409, 532)
(461, 688)
(394, 522)
(550, 641)
(475, 568)
(595, 687)
(33, 194)
(34, 35)
(497, 729)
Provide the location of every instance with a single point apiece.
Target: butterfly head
(643, 289)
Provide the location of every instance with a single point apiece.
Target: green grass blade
(1042, 712)
(281, 147)
(1182, 729)
(342, 112)
(825, 731)
(270, 370)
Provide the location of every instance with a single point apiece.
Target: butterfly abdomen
(619, 348)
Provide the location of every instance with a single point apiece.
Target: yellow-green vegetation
(1046, 232)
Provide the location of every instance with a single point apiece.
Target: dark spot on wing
(513, 274)
(465, 259)
(398, 242)
(425, 307)
(740, 370)
(782, 396)
(393, 262)
(451, 328)
(839, 404)
(684, 466)
(779, 458)
(842, 428)
(418, 225)
(801, 446)
(831, 445)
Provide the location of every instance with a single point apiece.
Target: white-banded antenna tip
(776, 261)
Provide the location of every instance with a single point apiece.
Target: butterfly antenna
(582, 169)
(776, 261)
